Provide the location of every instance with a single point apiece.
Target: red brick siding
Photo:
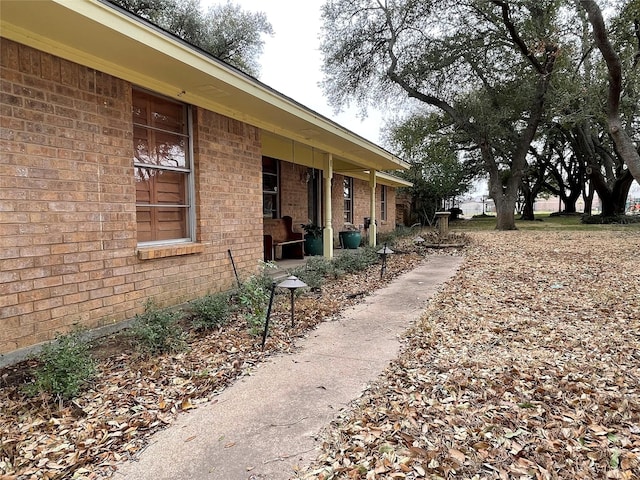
(294, 193)
(67, 202)
(362, 202)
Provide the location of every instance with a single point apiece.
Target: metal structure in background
(292, 283)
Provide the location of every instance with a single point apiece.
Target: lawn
(526, 366)
(542, 222)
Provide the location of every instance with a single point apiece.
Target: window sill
(150, 253)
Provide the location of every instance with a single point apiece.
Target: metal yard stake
(266, 322)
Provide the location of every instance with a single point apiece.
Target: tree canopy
(437, 170)
(224, 30)
(511, 76)
(486, 64)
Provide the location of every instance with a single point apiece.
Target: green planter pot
(313, 245)
(350, 239)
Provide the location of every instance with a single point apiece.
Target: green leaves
(225, 30)
(65, 367)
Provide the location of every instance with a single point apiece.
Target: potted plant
(350, 236)
(312, 238)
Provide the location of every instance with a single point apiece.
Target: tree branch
(517, 39)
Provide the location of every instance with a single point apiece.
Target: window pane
(347, 188)
(159, 113)
(143, 218)
(269, 205)
(171, 223)
(161, 223)
(159, 148)
(269, 187)
(269, 183)
(160, 186)
(160, 141)
(269, 165)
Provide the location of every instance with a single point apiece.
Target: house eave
(101, 36)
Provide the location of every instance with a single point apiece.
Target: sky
(291, 61)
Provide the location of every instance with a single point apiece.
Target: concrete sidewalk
(267, 423)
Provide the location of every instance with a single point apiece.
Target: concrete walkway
(265, 424)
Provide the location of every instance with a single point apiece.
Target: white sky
(291, 61)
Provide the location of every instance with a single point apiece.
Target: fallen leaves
(132, 397)
(526, 366)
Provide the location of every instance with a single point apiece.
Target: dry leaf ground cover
(134, 396)
(527, 366)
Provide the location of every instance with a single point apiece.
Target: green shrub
(65, 367)
(320, 265)
(313, 278)
(210, 311)
(253, 299)
(353, 261)
(390, 238)
(157, 331)
(619, 219)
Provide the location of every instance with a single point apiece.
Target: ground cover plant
(66, 366)
(526, 366)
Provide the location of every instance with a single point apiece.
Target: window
(383, 203)
(270, 182)
(162, 165)
(348, 200)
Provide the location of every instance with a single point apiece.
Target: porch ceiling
(99, 35)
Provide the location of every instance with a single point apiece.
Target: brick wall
(68, 247)
(362, 201)
(294, 195)
(67, 203)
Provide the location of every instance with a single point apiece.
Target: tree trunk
(620, 192)
(588, 199)
(527, 210)
(505, 212)
(624, 145)
(504, 193)
(614, 199)
(570, 202)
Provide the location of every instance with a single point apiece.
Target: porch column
(372, 209)
(327, 174)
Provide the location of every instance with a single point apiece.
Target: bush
(253, 298)
(157, 331)
(210, 311)
(65, 367)
(320, 265)
(610, 220)
(313, 278)
(354, 261)
(391, 238)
